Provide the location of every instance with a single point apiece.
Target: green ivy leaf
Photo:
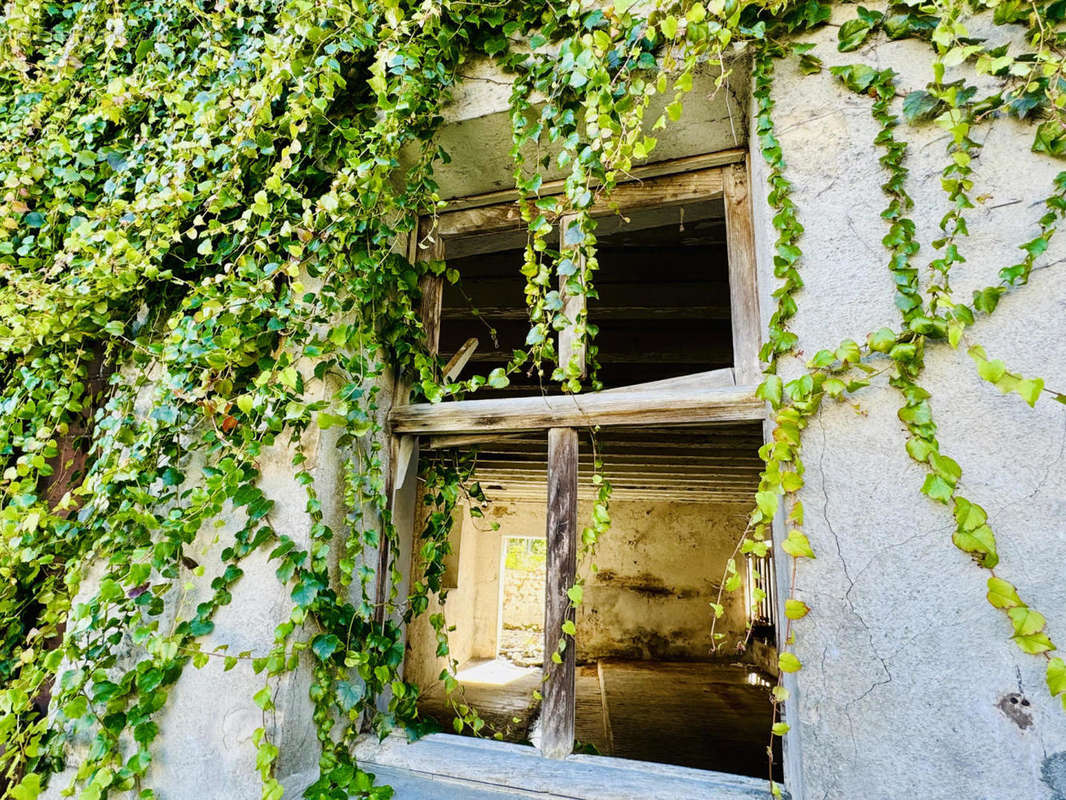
(796, 609)
(788, 662)
(1002, 594)
(1056, 676)
(325, 645)
(919, 105)
(1026, 620)
(797, 545)
(349, 694)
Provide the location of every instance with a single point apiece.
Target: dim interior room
(657, 679)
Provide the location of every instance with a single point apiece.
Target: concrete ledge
(461, 768)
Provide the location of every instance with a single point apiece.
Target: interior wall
(659, 568)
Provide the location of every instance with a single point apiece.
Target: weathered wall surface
(910, 678)
(659, 567)
(205, 748)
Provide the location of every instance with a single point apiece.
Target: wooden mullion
(743, 285)
(558, 710)
(401, 476)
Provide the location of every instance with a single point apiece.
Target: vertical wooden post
(557, 712)
(743, 286)
(432, 287)
(570, 344)
(400, 483)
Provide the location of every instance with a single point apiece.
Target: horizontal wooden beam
(632, 196)
(658, 169)
(675, 406)
(599, 313)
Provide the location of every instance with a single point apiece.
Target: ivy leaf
(919, 105)
(1056, 676)
(576, 593)
(498, 379)
(569, 628)
(1002, 594)
(789, 663)
(770, 390)
(349, 694)
(796, 609)
(980, 542)
(325, 645)
(797, 545)
(1026, 620)
(854, 32)
(1034, 643)
(779, 728)
(263, 699)
(767, 503)
(937, 488)
(28, 788)
(1050, 138)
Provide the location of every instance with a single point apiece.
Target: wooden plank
(458, 361)
(676, 406)
(658, 169)
(651, 193)
(743, 282)
(557, 711)
(715, 378)
(571, 344)
(466, 440)
(506, 295)
(602, 313)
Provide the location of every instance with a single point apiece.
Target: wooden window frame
(723, 395)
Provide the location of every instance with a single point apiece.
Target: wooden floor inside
(705, 715)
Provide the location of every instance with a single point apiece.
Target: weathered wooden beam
(458, 361)
(743, 284)
(558, 709)
(658, 169)
(632, 196)
(675, 406)
(601, 313)
(712, 379)
(466, 440)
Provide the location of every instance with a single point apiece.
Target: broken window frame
(724, 395)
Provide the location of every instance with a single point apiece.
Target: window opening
(662, 294)
(652, 683)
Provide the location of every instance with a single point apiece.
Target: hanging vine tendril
(199, 270)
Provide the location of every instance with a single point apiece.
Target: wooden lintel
(664, 407)
(558, 709)
(658, 169)
(634, 195)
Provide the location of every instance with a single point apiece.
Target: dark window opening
(653, 683)
(661, 299)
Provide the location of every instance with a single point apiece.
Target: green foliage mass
(203, 218)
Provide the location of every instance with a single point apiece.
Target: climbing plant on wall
(202, 262)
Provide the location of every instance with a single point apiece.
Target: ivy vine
(199, 269)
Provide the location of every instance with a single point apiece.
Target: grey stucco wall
(906, 664)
